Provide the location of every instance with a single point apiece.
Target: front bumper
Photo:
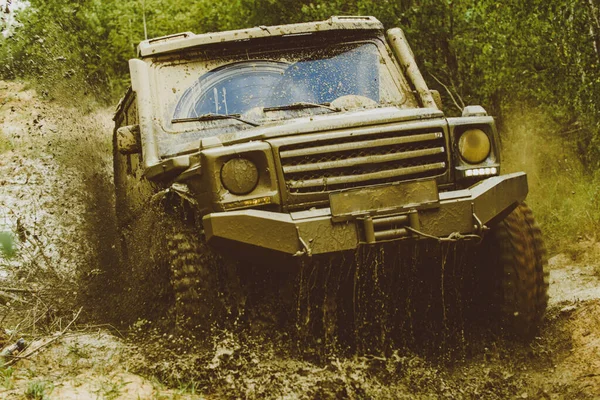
(372, 215)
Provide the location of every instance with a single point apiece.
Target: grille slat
(334, 162)
(365, 160)
(359, 145)
(327, 182)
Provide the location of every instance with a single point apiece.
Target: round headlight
(239, 176)
(474, 146)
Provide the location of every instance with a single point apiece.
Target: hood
(332, 121)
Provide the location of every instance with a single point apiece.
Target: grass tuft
(36, 390)
(5, 144)
(7, 380)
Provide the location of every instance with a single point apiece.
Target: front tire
(192, 277)
(205, 284)
(519, 272)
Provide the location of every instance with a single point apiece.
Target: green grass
(5, 144)
(565, 198)
(7, 244)
(7, 381)
(110, 390)
(79, 351)
(38, 390)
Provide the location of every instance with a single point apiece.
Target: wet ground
(55, 200)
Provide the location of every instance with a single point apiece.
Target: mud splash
(395, 296)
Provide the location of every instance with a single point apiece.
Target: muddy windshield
(228, 95)
(239, 87)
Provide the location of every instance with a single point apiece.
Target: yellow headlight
(474, 146)
(239, 176)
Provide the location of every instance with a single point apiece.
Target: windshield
(272, 85)
(239, 87)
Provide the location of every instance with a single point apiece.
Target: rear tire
(519, 274)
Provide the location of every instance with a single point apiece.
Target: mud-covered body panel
(415, 216)
(188, 40)
(306, 177)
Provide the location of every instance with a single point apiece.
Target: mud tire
(519, 268)
(193, 277)
(205, 284)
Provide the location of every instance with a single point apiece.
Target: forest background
(534, 65)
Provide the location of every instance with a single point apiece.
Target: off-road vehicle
(310, 139)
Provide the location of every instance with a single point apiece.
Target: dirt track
(54, 192)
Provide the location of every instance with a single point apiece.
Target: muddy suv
(311, 139)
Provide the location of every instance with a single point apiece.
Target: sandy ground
(44, 202)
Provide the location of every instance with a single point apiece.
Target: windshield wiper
(299, 105)
(212, 117)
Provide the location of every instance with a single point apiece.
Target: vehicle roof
(187, 40)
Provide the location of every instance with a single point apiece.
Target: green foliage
(7, 380)
(38, 390)
(79, 351)
(564, 197)
(7, 244)
(5, 144)
(110, 390)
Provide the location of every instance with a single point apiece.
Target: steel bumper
(373, 215)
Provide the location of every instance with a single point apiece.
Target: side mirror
(474, 111)
(128, 139)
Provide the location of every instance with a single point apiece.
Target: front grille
(361, 160)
